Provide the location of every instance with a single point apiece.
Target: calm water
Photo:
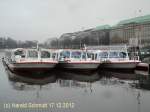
(70, 92)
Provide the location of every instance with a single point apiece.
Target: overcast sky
(42, 19)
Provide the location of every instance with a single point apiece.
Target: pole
(148, 72)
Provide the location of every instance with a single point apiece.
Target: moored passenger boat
(118, 60)
(77, 60)
(32, 60)
(116, 57)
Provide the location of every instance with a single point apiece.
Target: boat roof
(13, 50)
(107, 48)
(81, 50)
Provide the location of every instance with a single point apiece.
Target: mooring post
(149, 71)
(149, 68)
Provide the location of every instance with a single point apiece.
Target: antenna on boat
(126, 48)
(84, 47)
(37, 45)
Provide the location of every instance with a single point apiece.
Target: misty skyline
(43, 19)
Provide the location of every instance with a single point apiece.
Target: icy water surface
(63, 91)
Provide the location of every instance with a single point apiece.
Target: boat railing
(108, 47)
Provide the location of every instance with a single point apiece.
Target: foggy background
(43, 19)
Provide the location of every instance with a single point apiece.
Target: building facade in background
(137, 28)
(2, 42)
(95, 36)
(134, 31)
(101, 33)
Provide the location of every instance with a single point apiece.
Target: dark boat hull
(78, 67)
(120, 65)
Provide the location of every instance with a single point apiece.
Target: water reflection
(70, 79)
(29, 79)
(144, 83)
(102, 91)
(139, 101)
(21, 81)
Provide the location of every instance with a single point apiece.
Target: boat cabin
(106, 55)
(75, 55)
(22, 55)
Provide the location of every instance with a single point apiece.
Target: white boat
(116, 57)
(78, 60)
(34, 60)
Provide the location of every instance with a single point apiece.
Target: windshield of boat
(76, 54)
(103, 54)
(20, 53)
(45, 54)
(32, 54)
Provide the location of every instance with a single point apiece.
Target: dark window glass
(33, 54)
(103, 55)
(76, 54)
(113, 55)
(45, 54)
(65, 54)
(122, 55)
(84, 56)
(20, 52)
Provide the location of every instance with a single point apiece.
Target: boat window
(54, 55)
(90, 55)
(95, 56)
(76, 54)
(84, 55)
(32, 54)
(20, 53)
(45, 54)
(65, 54)
(122, 55)
(113, 55)
(103, 54)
